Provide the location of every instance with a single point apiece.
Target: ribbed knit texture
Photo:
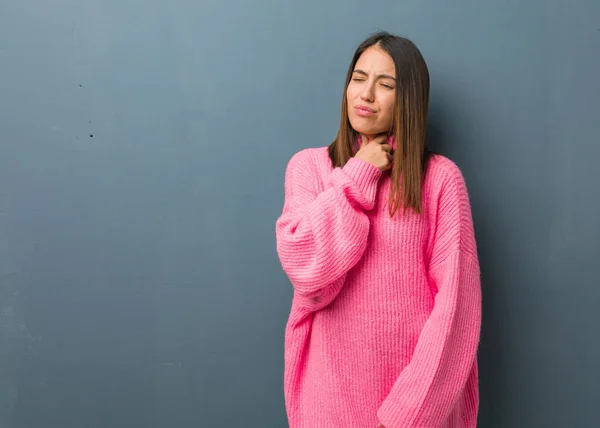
(385, 319)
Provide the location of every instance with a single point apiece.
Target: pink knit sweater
(385, 319)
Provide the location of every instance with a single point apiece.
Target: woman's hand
(376, 152)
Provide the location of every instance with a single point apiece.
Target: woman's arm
(321, 236)
(428, 388)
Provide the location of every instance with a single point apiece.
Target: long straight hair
(409, 124)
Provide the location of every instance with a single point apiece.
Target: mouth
(364, 111)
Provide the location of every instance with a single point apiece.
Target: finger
(386, 147)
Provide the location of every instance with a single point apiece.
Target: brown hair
(409, 125)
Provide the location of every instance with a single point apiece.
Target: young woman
(376, 237)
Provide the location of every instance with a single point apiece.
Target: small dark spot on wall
(81, 86)
(91, 135)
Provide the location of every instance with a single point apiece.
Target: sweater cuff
(366, 176)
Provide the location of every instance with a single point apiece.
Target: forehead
(376, 60)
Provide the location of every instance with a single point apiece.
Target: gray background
(142, 152)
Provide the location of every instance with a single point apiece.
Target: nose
(367, 93)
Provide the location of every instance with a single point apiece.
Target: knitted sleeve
(429, 386)
(321, 235)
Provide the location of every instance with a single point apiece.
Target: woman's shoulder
(312, 158)
(443, 174)
(442, 167)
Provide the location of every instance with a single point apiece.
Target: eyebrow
(385, 76)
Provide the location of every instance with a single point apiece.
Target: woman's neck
(391, 140)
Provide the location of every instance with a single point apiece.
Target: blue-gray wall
(142, 152)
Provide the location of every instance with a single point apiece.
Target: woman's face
(371, 93)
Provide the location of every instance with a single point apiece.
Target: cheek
(389, 108)
(350, 93)
(350, 101)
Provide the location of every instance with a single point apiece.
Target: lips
(364, 111)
